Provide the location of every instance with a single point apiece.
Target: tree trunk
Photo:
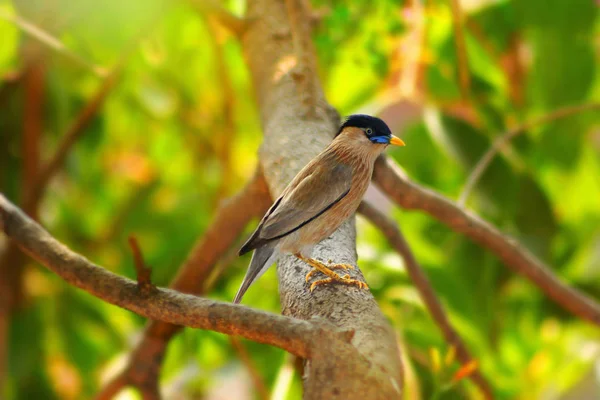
(298, 123)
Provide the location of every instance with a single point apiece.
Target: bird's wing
(318, 187)
(314, 195)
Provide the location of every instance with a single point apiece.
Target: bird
(324, 194)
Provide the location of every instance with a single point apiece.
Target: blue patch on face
(380, 139)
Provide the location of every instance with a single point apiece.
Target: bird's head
(367, 130)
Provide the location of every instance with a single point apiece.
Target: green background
(180, 132)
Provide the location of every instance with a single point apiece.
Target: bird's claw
(331, 266)
(346, 280)
(331, 276)
(340, 266)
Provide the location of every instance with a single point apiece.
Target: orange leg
(331, 276)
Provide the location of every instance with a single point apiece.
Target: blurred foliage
(181, 130)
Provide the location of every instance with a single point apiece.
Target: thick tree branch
(333, 356)
(232, 216)
(409, 195)
(396, 239)
(292, 137)
(302, 72)
(165, 305)
(502, 140)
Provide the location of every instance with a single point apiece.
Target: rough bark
(296, 128)
(338, 370)
(162, 304)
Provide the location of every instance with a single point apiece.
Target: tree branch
(35, 185)
(409, 195)
(464, 77)
(257, 379)
(112, 388)
(143, 273)
(506, 137)
(47, 39)
(292, 138)
(396, 239)
(81, 122)
(165, 304)
(326, 346)
(222, 142)
(75, 131)
(300, 27)
(12, 261)
(233, 23)
(143, 367)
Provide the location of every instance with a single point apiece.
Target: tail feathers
(261, 261)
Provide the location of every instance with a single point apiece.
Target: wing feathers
(255, 241)
(319, 186)
(276, 228)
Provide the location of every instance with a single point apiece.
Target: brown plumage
(325, 193)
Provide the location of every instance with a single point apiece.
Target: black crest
(363, 121)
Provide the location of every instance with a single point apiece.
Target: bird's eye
(369, 131)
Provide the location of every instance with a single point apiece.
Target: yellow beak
(396, 141)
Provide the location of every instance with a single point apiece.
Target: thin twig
(222, 142)
(143, 273)
(12, 260)
(409, 195)
(47, 39)
(461, 50)
(34, 83)
(233, 23)
(75, 131)
(506, 137)
(111, 389)
(82, 121)
(395, 237)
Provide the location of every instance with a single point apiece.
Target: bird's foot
(330, 267)
(346, 280)
(331, 276)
